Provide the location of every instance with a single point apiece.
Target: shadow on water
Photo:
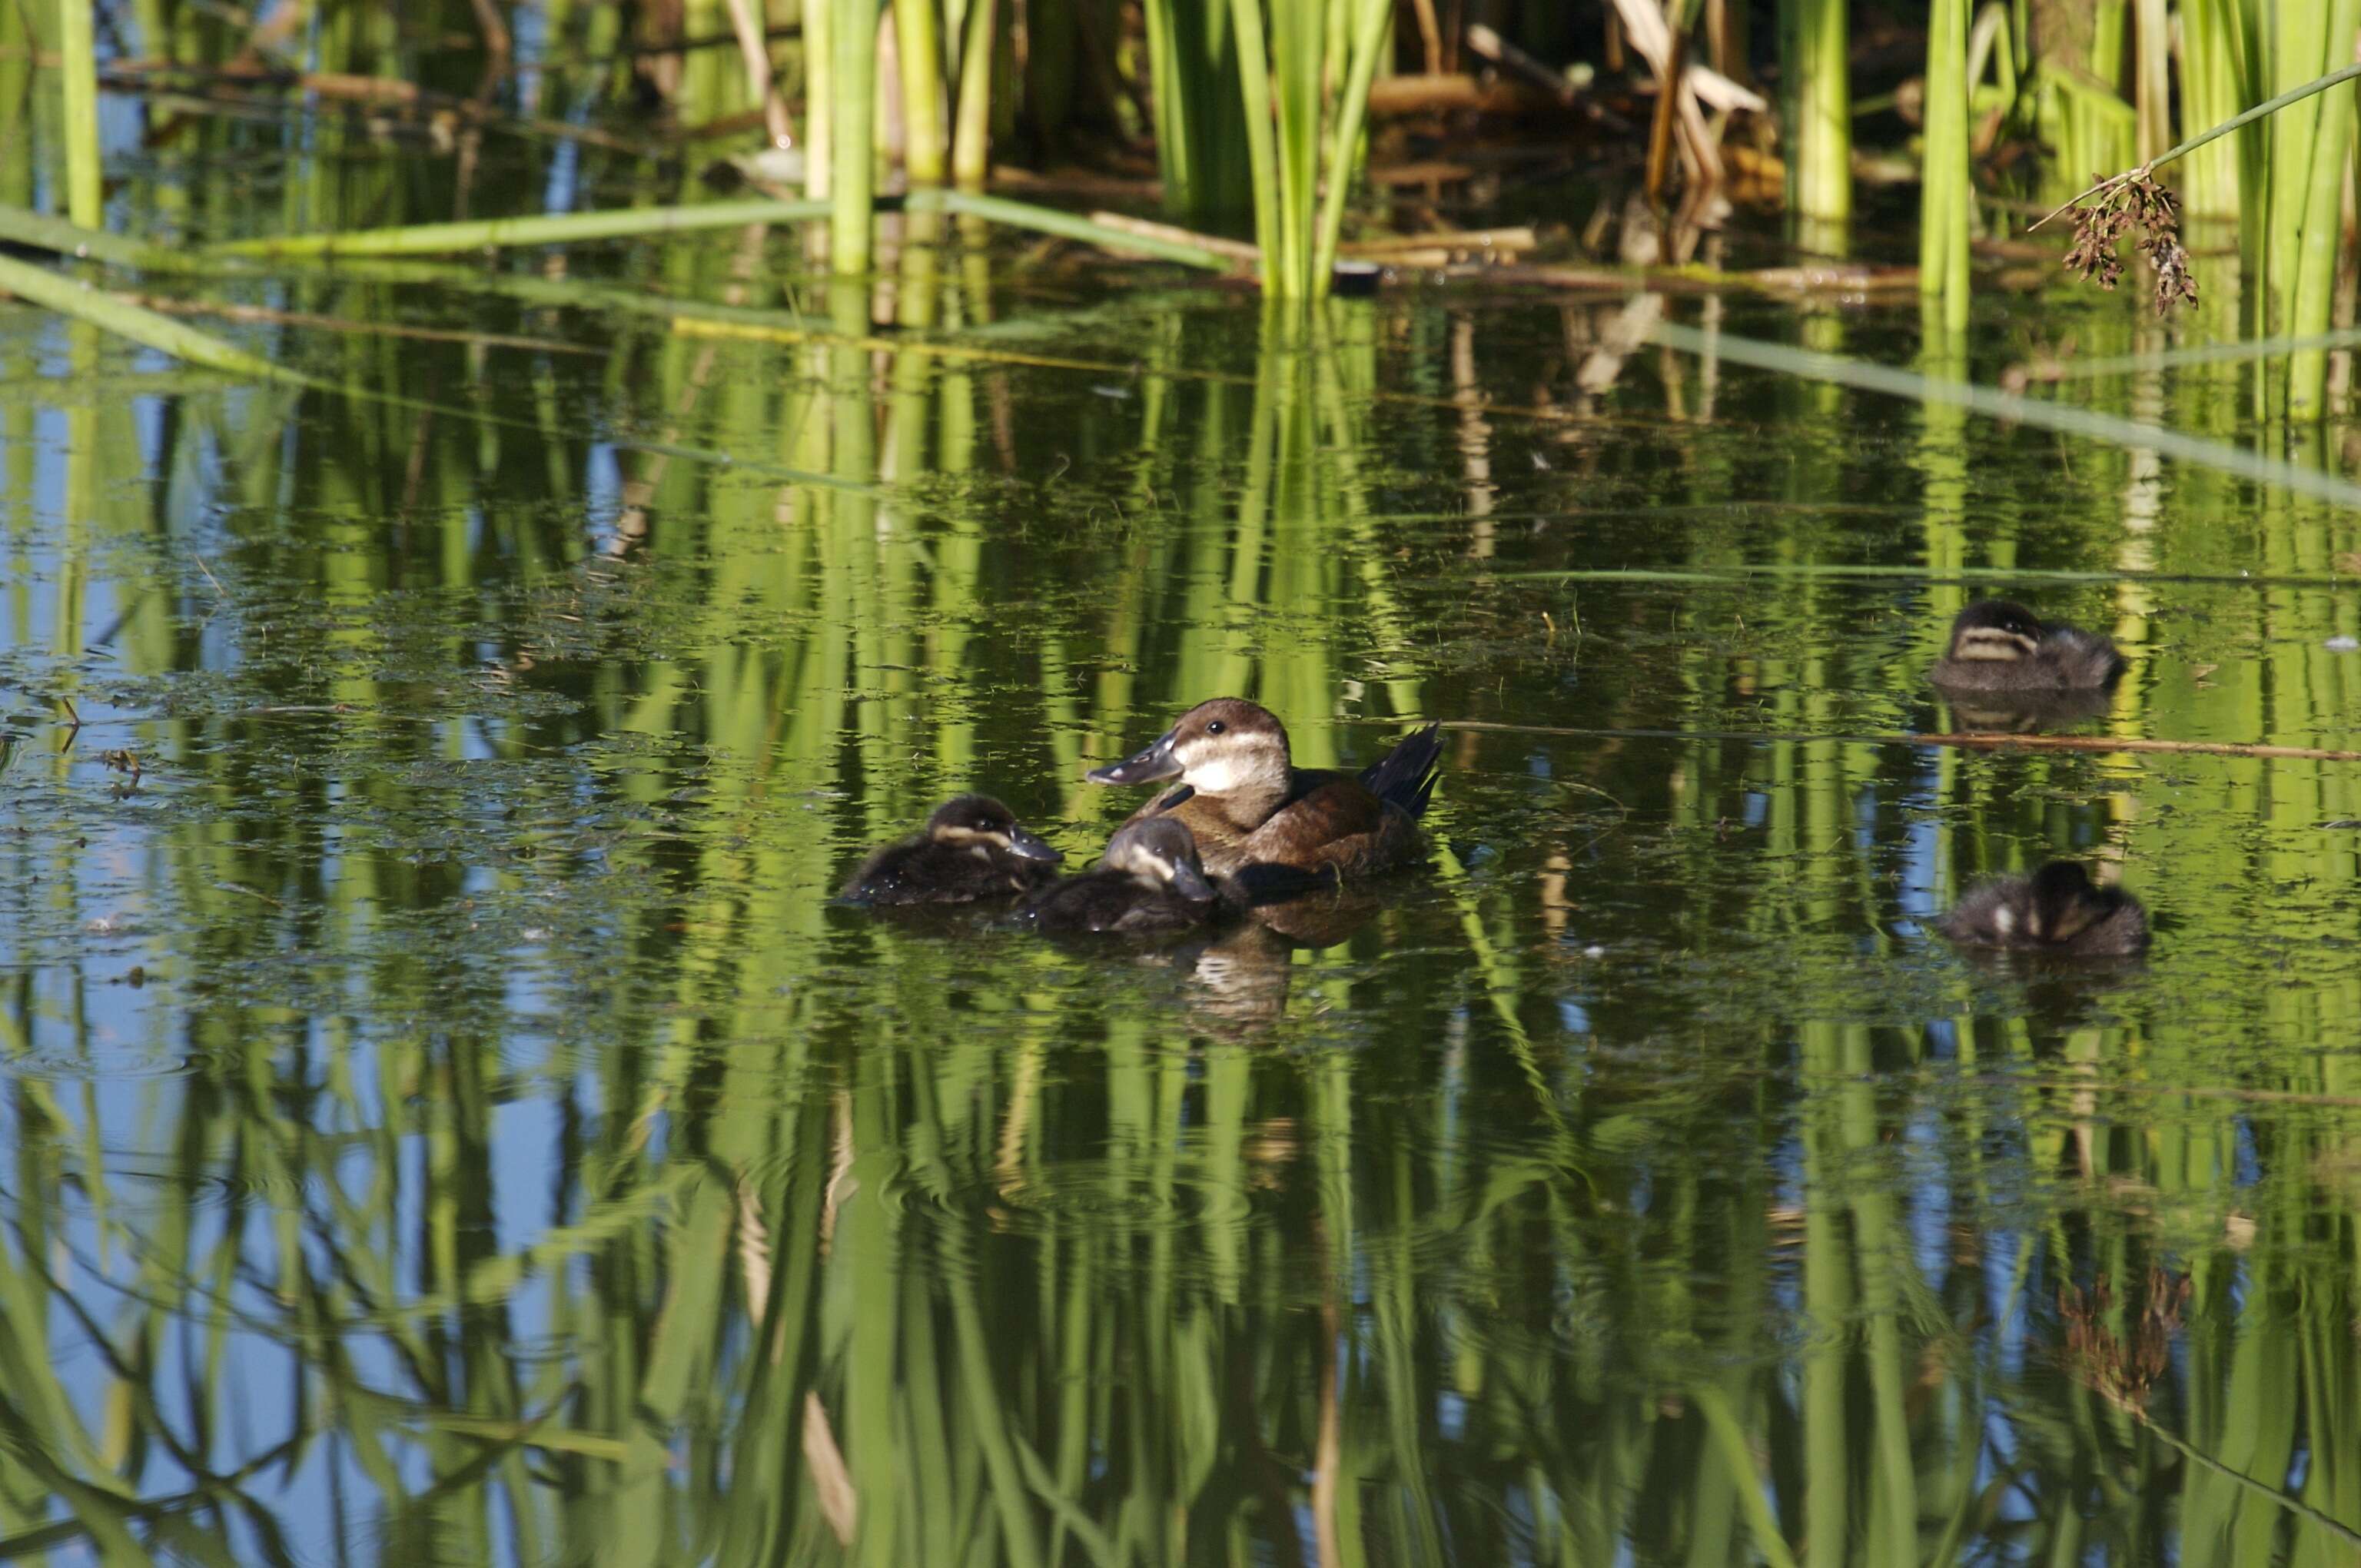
(445, 1122)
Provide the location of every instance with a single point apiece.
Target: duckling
(973, 848)
(2058, 910)
(1998, 645)
(1149, 883)
(1249, 805)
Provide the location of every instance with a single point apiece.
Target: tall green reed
(1946, 189)
(78, 68)
(852, 86)
(1304, 76)
(2312, 146)
(2218, 59)
(1815, 40)
(1202, 146)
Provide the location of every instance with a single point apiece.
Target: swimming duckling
(973, 848)
(1249, 805)
(2058, 910)
(1998, 645)
(1148, 882)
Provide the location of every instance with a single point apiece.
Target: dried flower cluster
(2124, 1369)
(2136, 201)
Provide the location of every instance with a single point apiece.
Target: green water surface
(444, 1121)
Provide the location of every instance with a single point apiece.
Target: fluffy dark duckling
(1998, 645)
(1149, 883)
(2058, 910)
(1249, 805)
(974, 848)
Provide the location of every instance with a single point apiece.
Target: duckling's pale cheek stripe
(1996, 645)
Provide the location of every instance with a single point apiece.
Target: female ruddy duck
(974, 848)
(1149, 883)
(2058, 910)
(1249, 806)
(1998, 645)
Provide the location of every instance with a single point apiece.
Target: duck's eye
(983, 823)
(1215, 728)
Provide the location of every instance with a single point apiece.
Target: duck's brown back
(1328, 820)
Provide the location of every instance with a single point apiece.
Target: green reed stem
(1372, 25)
(1262, 145)
(561, 228)
(819, 98)
(1946, 212)
(1202, 147)
(1729, 1438)
(2215, 75)
(2260, 111)
(926, 148)
(2309, 303)
(78, 52)
(1997, 404)
(972, 133)
(853, 175)
(2299, 41)
(557, 228)
(20, 226)
(1297, 62)
(138, 324)
(2151, 79)
(1815, 42)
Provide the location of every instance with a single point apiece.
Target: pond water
(446, 1121)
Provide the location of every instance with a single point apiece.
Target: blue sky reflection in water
(444, 1123)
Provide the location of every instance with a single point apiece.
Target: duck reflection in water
(1240, 977)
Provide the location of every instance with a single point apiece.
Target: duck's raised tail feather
(1405, 775)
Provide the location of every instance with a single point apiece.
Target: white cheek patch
(2005, 920)
(981, 851)
(1217, 776)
